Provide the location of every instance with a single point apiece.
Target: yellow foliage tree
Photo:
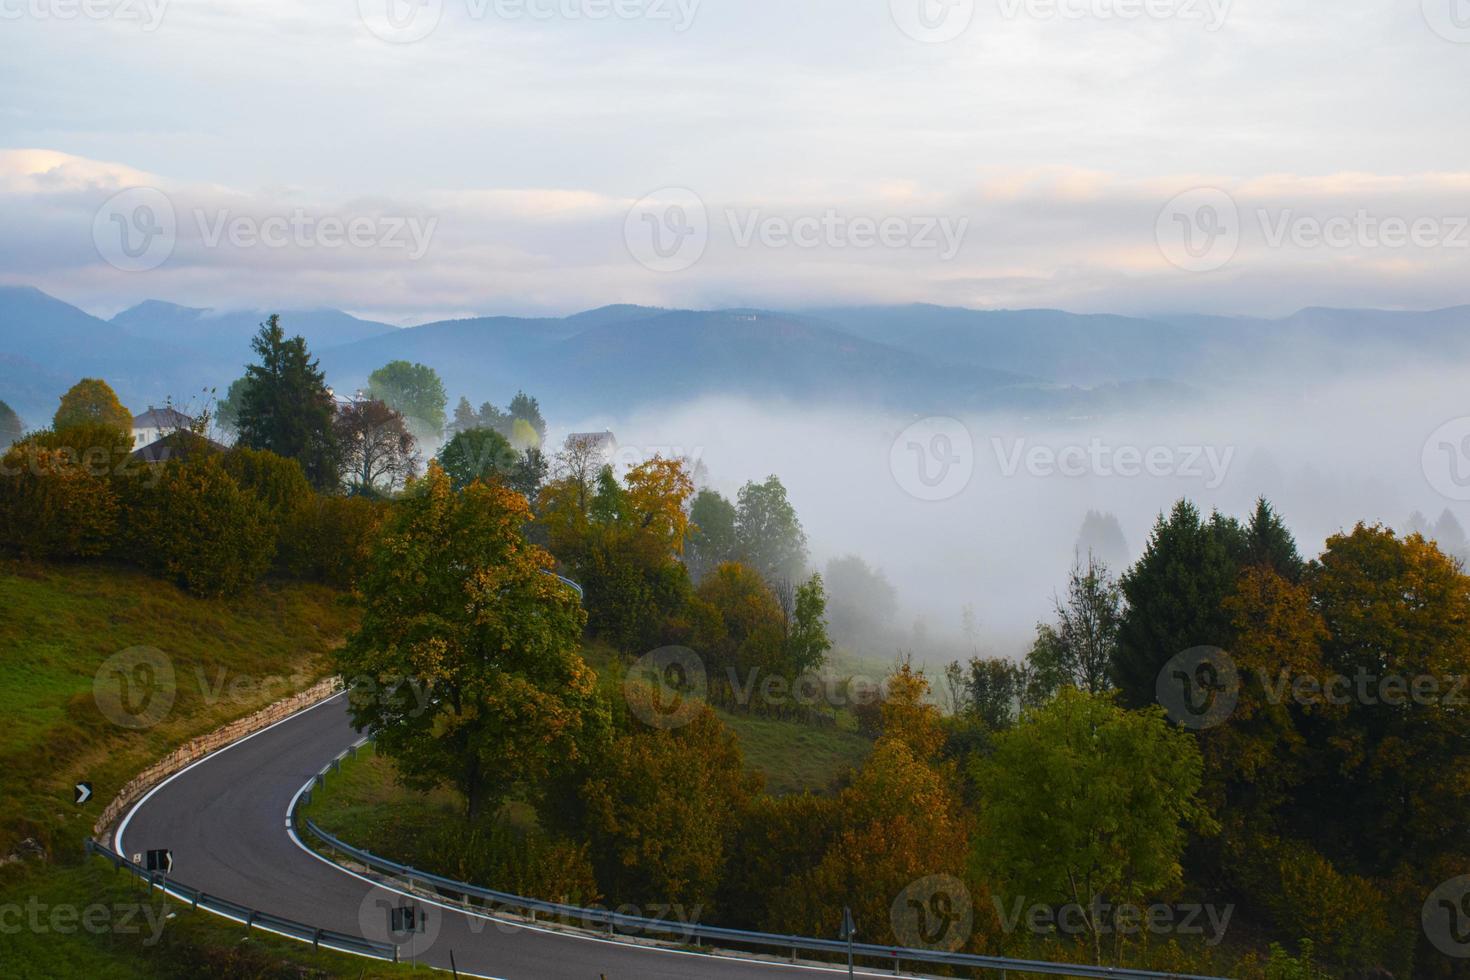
(91, 401)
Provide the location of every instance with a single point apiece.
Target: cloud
(1054, 236)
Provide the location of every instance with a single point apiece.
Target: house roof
(176, 445)
(162, 418)
(596, 440)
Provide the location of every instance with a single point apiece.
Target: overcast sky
(552, 155)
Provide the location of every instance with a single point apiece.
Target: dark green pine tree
(1270, 543)
(1174, 595)
(524, 407)
(287, 408)
(11, 427)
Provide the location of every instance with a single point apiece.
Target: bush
(199, 528)
(1344, 916)
(528, 863)
(327, 539)
(278, 482)
(58, 497)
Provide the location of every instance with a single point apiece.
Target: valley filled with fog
(1327, 454)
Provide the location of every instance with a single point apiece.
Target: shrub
(278, 482)
(199, 528)
(1344, 916)
(327, 539)
(58, 494)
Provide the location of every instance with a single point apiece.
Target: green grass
(794, 757)
(58, 624)
(126, 942)
(366, 806)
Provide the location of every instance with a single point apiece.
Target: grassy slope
(58, 623)
(795, 757)
(365, 805)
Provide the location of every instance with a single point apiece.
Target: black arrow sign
(84, 793)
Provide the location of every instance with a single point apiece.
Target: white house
(156, 423)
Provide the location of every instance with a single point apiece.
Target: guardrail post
(250, 922)
(316, 939)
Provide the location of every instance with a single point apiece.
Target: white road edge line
(117, 839)
(519, 926)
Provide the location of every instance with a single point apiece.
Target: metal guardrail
(250, 918)
(581, 593)
(694, 933)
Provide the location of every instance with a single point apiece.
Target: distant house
(156, 423)
(603, 442)
(356, 398)
(179, 444)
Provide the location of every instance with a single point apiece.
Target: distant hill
(623, 357)
(920, 359)
(1094, 349)
(227, 334)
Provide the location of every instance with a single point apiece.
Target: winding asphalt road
(225, 819)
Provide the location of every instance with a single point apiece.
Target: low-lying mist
(1327, 454)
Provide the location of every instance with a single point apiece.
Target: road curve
(225, 819)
